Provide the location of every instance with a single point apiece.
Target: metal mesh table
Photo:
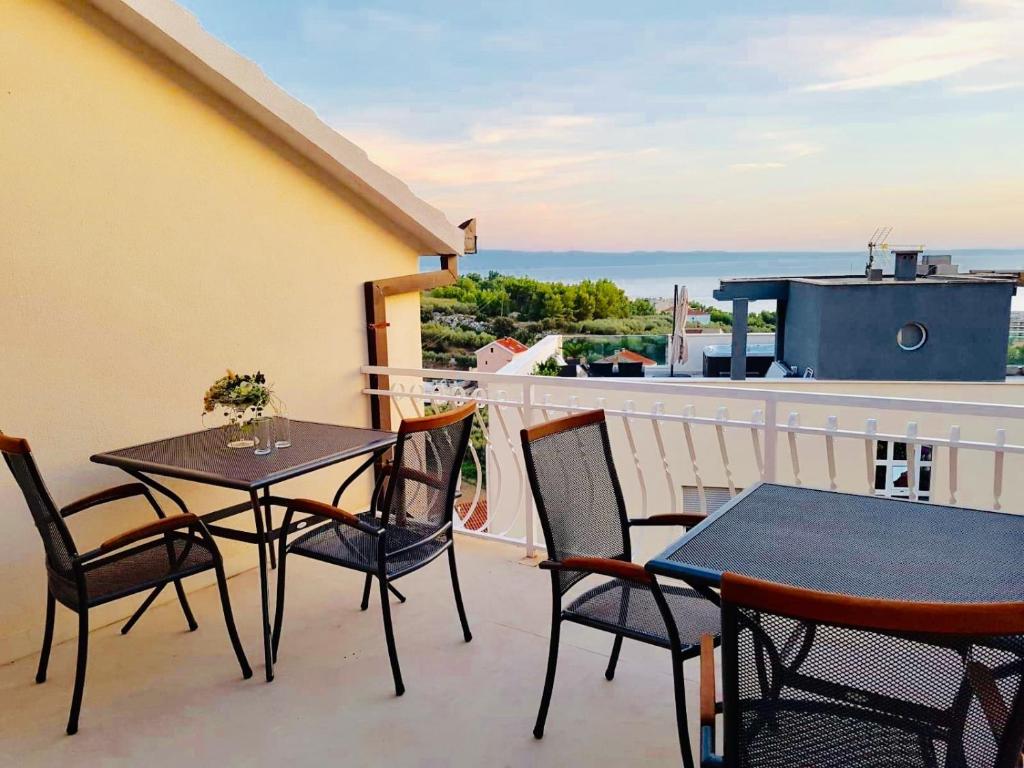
(204, 457)
(866, 546)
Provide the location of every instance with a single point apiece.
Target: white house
(498, 354)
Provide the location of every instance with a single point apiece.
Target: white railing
(676, 434)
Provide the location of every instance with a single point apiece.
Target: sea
(652, 274)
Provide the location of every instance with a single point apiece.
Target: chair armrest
(707, 680)
(321, 509)
(992, 702)
(707, 703)
(686, 520)
(426, 478)
(102, 497)
(163, 525)
(619, 569)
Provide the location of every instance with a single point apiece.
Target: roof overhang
(177, 34)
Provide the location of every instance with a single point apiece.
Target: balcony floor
(162, 696)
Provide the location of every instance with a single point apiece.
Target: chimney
(906, 265)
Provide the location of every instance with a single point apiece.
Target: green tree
(641, 307)
(502, 325)
(549, 367)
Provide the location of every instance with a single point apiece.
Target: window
(912, 336)
(892, 471)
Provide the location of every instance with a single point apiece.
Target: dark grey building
(907, 327)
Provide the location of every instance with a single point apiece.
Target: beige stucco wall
(151, 237)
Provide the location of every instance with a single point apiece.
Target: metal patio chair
(409, 529)
(586, 530)
(166, 551)
(819, 679)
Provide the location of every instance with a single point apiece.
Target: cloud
(328, 26)
(766, 166)
(543, 151)
(532, 128)
(978, 35)
(988, 87)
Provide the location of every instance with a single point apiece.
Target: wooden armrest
(104, 496)
(992, 702)
(163, 525)
(311, 507)
(619, 569)
(707, 680)
(687, 520)
(422, 477)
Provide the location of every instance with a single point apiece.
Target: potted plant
(242, 397)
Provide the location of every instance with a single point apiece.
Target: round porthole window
(912, 336)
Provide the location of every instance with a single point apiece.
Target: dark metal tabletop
(867, 546)
(204, 456)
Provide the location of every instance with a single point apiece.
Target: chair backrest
(426, 469)
(848, 681)
(579, 499)
(57, 541)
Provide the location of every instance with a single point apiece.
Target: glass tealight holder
(282, 425)
(282, 432)
(264, 435)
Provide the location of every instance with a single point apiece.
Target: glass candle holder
(282, 425)
(264, 435)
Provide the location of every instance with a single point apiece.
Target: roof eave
(177, 34)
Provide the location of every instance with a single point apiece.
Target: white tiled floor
(162, 696)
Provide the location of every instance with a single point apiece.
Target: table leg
(262, 542)
(269, 522)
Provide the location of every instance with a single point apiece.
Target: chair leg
(192, 625)
(549, 679)
(366, 592)
(83, 654)
(395, 592)
(389, 634)
(44, 654)
(609, 673)
(458, 595)
(229, 620)
(279, 610)
(143, 607)
(679, 683)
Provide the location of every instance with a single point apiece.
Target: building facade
(169, 213)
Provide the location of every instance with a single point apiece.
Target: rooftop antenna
(877, 240)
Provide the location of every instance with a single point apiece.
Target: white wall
(524, 362)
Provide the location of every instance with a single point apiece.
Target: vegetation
(759, 322)
(549, 367)
(500, 295)
(458, 319)
(1015, 353)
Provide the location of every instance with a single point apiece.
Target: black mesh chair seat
(805, 733)
(623, 606)
(136, 570)
(342, 545)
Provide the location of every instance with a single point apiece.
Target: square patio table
(867, 546)
(203, 457)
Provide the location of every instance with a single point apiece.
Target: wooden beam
(375, 295)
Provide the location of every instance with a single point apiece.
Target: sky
(671, 125)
